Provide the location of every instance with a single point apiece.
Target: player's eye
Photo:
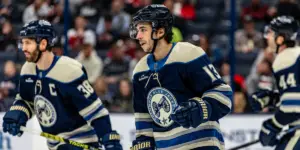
(143, 30)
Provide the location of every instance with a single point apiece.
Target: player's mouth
(27, 54)
(142, 43)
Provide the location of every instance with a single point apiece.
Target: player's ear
(279, 40)
(160, 32)
(43, 44)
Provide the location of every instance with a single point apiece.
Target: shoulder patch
(28, 69)
(141, 66)
(185, 52)
(286, 59)
(66, 70)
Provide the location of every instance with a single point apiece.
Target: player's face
(29, 47)
(144, 36)
(270, 36)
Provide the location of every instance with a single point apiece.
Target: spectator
(5, 10)
(37, 10)
(262, 79)
(248, 39)
(9, 85)
(8, 40)
(185, 9)
(89, 9)
(57, 49)
(116, 66)
(256, 10)
(55, 15)
(240, 102)
(101, 89)
(239, 81)
(139, 54)
(132, 6)
(214, 54)
(90, 60)
(123, 99)
(76, 35)
(179, 23)
(131, 47)
(106, 38)
(120, 19)
(260, 76)
(10, 82)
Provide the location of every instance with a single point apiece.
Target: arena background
(95, 32)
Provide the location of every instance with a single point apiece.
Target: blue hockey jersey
(286, 70)
(159, 86)
(64, 102)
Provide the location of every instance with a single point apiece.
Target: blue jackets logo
(45, 111)
(161, 103)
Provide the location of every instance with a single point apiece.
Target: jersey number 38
(86, 88)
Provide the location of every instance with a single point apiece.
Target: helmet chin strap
(155, 43)
(39, 53)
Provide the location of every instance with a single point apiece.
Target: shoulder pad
(286, 58)
(185, 52)
(141, 66)
(28, 69)
(66, 70)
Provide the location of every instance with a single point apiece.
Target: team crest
(161, 103)
(44, 111)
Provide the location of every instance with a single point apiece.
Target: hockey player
(56, 89)
(282, 35)
(178, 95)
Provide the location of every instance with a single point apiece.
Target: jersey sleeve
(24, 98)
(143, 121)
(205, 81)
(89, 105)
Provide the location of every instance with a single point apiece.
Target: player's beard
(33, 56)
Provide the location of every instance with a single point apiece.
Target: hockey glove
(268, 133)
(111, 141)
(192, 113)
(262, 99)
(14, 119)
(143, 143)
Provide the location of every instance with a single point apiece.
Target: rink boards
(237, 129)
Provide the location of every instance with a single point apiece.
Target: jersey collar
(157, 65)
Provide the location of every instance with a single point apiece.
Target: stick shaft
(58, 138)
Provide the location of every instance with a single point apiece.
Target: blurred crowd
(98, 38)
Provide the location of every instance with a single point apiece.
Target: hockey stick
(58, 138)
(257, 140)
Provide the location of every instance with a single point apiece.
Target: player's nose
(139, 36)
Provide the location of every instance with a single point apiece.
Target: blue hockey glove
(111, 141)
(14, 119)
(262, 99)
(143, 143)
(192, 113)
(268, 133)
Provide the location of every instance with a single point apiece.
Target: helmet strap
(39, 53)
(155, 41)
